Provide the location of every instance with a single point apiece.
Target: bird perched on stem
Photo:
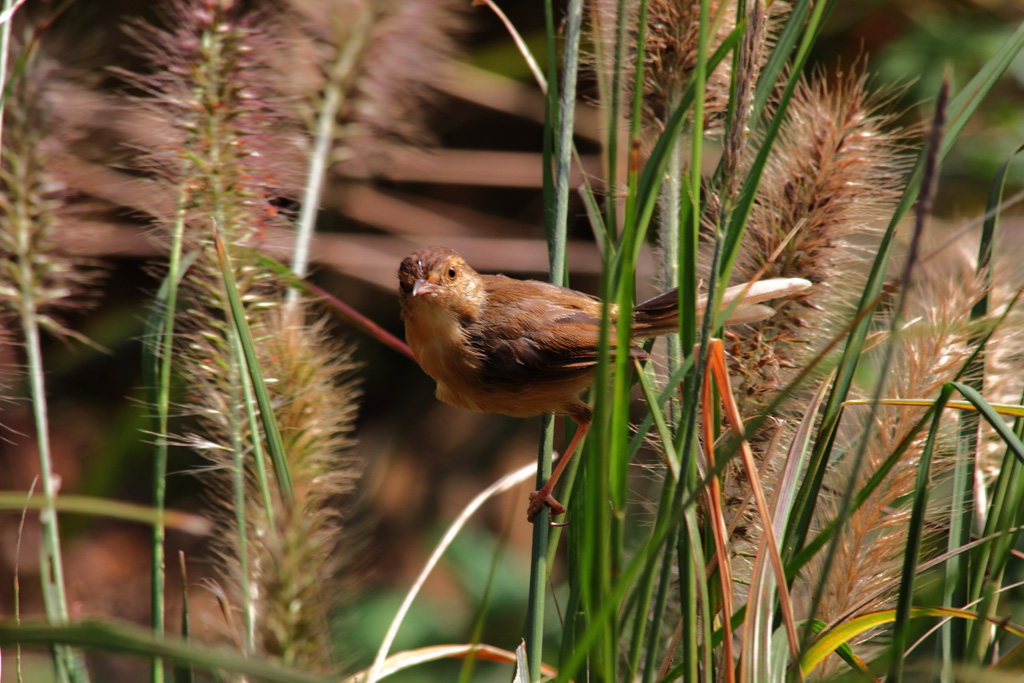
(523, 347)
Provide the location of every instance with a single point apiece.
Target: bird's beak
(421, 287)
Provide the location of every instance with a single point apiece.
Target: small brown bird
(523, 347)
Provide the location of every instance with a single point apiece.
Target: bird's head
(438, 278)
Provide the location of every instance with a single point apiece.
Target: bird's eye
(451, 273)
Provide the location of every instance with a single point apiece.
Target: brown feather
(501, 345)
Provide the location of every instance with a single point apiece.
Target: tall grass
(836, 491)
(812, 169)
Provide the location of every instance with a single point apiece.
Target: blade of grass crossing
(993, 576)
(915, 533)
(784, 44)
(900, 627)
(1012, 441)
(275, 445)
(991, 560)
(102, 636)
(641, 208)
(158, 353)
(563, 142)
(660, 604)
(613, 98)
(69, 664)
(533, 632)
(956, 633)
(105, 507)
(756, 656)
(575, 655)
(828, 430)
(851, 628)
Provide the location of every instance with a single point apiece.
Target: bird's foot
(540, 498)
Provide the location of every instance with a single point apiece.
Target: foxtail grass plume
(38, 277)
(671, 54)
(231, 125)
(299, 563)
(833, 178)
(212, 91)
(933, 344)
(37, 282)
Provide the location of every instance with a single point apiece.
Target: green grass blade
(915, 533)
(241, 325)
(989, 414)
(157, 364)
(663, 396)
(956, 633)
(827, 431)
(851, 628)
(122, 639)
(112, 509)
(558, 155)
(533, 630)
(1003, 520)
(659, 420)
(784, 44)
(183, 673)
(563, 141)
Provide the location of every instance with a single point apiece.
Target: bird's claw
(538, 499)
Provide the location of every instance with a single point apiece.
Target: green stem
(165, 355)
(563, 141)
(238, 462)
(51, 566)
(533, 635)
(557, 262)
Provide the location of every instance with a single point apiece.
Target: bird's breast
(443, 350)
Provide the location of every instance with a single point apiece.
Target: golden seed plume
(932, 345)
(832, 179)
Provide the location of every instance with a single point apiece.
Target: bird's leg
(542, 496)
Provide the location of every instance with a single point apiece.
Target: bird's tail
(660, 314)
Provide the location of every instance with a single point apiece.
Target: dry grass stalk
(385, 57)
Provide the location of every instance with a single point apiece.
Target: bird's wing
(556, 346)
(538, 332)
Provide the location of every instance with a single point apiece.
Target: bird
(497, 344)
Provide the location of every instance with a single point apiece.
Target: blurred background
(466, 173)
